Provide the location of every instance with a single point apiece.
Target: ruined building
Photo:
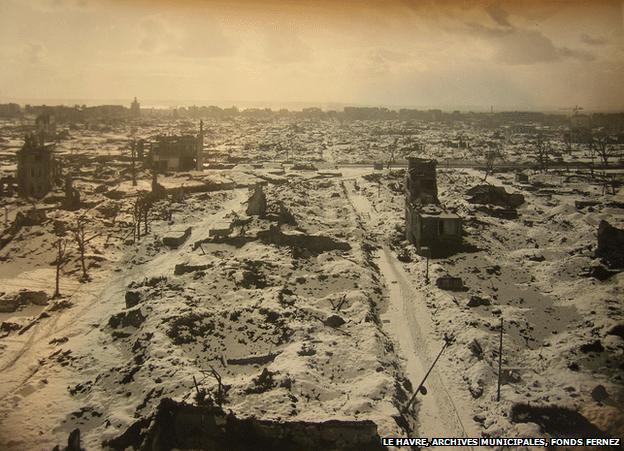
(421, 182)
(427, 224)
(72, 195)
(45, 125)
(178, 153)
(37, 169)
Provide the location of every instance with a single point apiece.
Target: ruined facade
(421, 182)
(427, 224)
(37, 169)
(178, 153)
(45, 125)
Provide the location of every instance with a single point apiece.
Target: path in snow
(408, 322)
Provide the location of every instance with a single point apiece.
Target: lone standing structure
(45, 125)
(178, 153)
(427, 224)
(421, 181)
(37, 169)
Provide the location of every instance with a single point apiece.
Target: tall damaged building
(37, 168)
(45, 125)
(427, 224)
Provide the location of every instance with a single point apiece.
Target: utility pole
(500, 359)
(421, 387)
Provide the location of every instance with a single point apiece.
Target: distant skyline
(454, 54)
(293, 106)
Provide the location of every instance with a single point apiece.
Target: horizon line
(325, 106)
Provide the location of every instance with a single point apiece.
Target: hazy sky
(518, 54)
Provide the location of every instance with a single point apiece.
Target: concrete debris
(476, 301)
(610, 245)
(129, 318)
(494, 195)
(176, 240)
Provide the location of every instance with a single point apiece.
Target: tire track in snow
(407, 320)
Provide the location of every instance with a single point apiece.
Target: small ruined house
(37, 168)
(427, 224)
(434, 228)
(178, 153)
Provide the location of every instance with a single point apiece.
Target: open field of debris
(275, 282)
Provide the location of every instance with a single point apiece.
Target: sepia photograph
(309, 225)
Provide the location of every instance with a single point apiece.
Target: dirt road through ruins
(408, 322)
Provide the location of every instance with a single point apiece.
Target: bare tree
(147, 205)
(133, 167)
(80, 235)
(142, 207)
(603, 149)
(543, 150)
(136, 216)
(491, 155)
(393, 149)
(220, 397)
(60, 262)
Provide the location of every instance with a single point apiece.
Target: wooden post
(447, 341)
(427, 252)
(57, 291)
(500, 360)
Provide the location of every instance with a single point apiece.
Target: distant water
(158, 103)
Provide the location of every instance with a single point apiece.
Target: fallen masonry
(177, 425)
(176, 240)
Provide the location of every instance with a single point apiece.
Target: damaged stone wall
(184, 426)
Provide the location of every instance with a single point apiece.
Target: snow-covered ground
(295, 334)
(307, 313)
(558, 345)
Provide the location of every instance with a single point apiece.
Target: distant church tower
(135, 108)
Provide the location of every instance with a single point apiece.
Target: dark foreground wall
(183, 426)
